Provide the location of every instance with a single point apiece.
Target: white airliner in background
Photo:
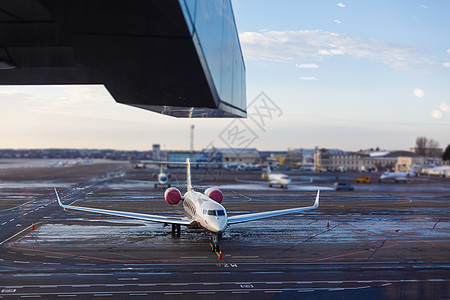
(201, 210)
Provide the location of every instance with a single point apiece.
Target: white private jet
(396, 176)
(276, 178)
(162, 177)
(201, 210)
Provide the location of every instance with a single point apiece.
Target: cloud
(307, 66)
(448, 51)
(283, 46)
(337, 21)
(308, 78)
(418, 93)
(436, 114)
(341, 4)
(444, 107)
(446, 65)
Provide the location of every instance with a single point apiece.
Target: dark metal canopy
(153, 54)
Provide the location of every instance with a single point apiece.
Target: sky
(351, 75)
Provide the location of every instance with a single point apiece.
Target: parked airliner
(201, 210)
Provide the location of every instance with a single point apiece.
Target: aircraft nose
(219, 224)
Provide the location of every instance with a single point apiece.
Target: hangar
(176, 57)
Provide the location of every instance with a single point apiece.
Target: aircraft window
(220, 213)
(211, 212)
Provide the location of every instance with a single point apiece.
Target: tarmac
(384, 241)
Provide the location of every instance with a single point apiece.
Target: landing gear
(176, 229)
(215, 242)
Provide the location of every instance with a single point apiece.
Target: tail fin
(280, 159)
(268, 170)
(188, 175)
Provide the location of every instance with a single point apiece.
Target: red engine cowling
(215, 194)
(172, 195)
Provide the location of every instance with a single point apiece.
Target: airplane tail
(280, 159)
(188, 175)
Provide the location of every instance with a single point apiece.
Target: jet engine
(172, 195)
(215, 194)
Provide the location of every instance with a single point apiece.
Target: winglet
(316, 203)
(57, 197)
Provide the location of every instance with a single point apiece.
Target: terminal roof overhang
(143, 51)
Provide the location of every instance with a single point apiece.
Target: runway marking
(362, 251)
(417, 239)
(249, 256)
(18, 234)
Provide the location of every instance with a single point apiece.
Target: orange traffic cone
(328, 223)
(220, 254)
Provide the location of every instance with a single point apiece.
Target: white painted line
(173, 293)
(114, 285)
(30, 275)
(95, 274)
(147, 284)
(143, 294)
(21, 262)
(67, 295)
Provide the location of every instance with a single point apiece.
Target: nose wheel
(215, 242)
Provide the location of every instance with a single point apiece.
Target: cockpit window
(211, 212)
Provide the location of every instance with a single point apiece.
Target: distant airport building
(176, 57)
(239, 155)
(365, 161)
(156, 152)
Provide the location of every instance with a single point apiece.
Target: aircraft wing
(268, 214)
(131, 215)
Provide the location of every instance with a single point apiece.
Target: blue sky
(350, 75)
